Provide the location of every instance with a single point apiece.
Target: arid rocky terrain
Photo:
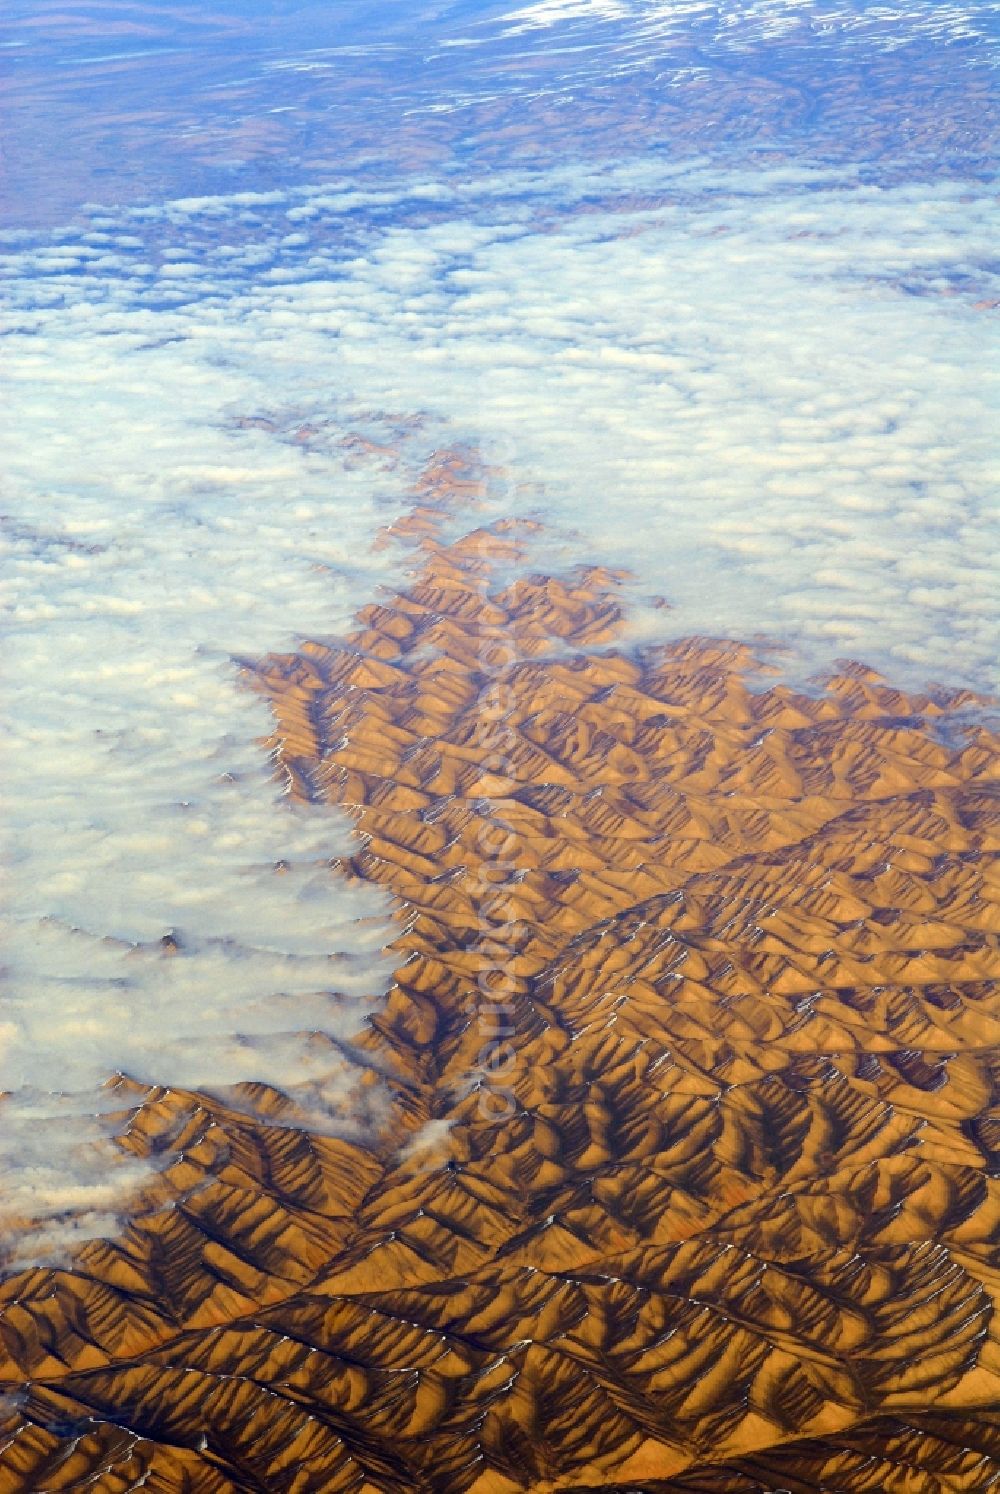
(687, 1172)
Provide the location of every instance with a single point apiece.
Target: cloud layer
(767, 394)
(166, 913)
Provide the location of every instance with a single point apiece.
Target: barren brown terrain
(690, 1176)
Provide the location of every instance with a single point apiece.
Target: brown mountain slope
(690, 1178)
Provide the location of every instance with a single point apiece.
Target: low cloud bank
(167, 914)
(765, 393)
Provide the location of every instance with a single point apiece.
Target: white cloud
(783, 434)
(147, 541)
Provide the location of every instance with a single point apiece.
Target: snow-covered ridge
(741, 24)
